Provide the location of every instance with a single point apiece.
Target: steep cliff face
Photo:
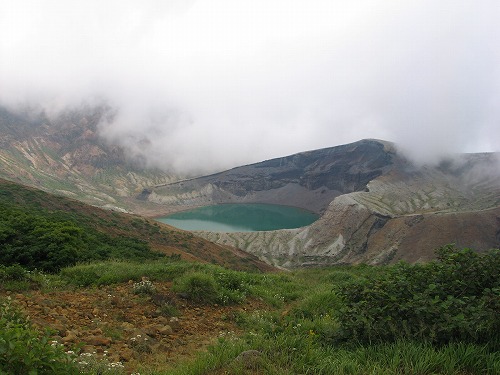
(351, 233)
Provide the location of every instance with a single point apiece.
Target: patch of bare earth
(117, 324)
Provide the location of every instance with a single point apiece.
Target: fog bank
(200, 86)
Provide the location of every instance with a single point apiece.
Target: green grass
(296, 326)
(230, 286)
(118, 271)
(296, 346)
(297, 333)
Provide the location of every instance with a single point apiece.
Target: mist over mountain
(64, 153)
(198, 87)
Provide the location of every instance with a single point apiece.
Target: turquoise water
(240, 218)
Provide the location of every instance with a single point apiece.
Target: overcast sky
(219, 83)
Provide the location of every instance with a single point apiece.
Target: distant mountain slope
(310, 180)
(376, 206)
(65, 154)
(92, 224)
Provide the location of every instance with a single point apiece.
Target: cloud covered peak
(206, 85)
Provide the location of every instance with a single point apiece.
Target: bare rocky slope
(309, 180)
(376, 206)
(65, 154)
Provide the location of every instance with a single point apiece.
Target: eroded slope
(65, 154)
(403, 213)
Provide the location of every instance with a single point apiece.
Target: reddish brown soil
(114, 322)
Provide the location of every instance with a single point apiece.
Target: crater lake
(240, 217)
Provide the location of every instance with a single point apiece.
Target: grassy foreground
(439, 318)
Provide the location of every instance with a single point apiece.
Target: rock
(155, 329)
(70, 337)
(162, 320)
(96, 332)
(87, 349)
(165, 330)
(152, 330)
(59, 328)
(174, 323)
(97, 340)
(128, 327)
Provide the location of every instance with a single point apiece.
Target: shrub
(80, 275)
(456, 298)
(233, 286)
(16, 278)
(12, 273)
(198, 287)
(50, 241)
(317, 304)
(144, 286)
(339, 277)
(24, 350)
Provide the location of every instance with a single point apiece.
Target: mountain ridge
(311, 175)
(373, 201)
(66, 154)
(371, 198)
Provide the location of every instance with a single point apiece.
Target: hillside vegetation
(435, 318)
(84, 290)
(48, 232)
(90, 291)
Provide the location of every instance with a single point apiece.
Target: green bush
(233, 286)
(112, 272)
(317, 304)
(340, 277)
(168, 310)
(198, 287)
(16, 278)
(24, 350)
(49, 241)
(12, 273)
(144, 287)
(456, 298)
(80, 275)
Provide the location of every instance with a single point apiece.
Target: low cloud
(200, 86)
